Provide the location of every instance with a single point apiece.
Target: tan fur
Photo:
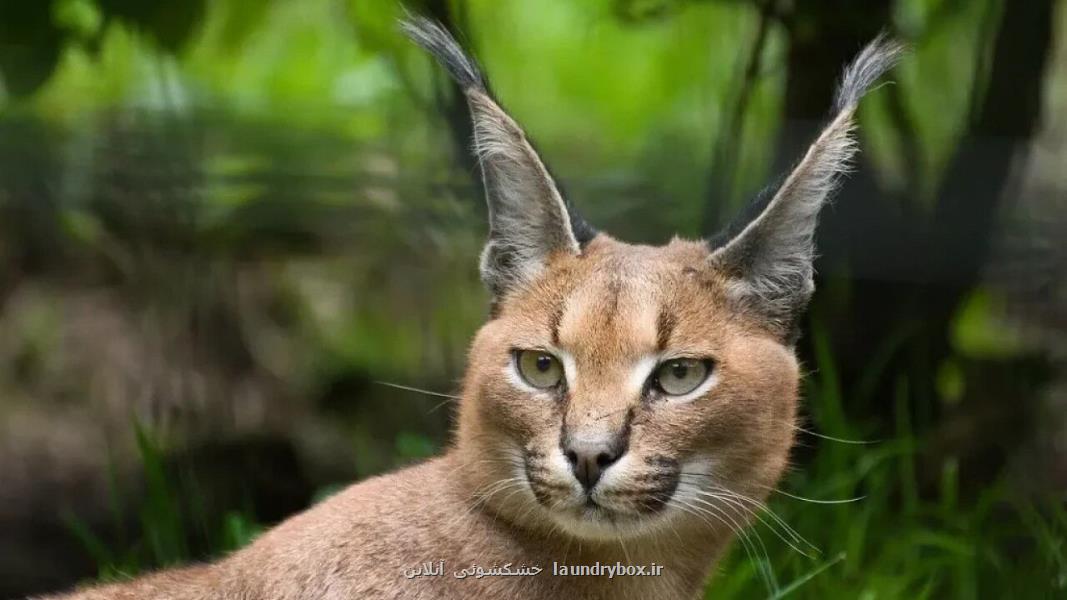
(607, 304)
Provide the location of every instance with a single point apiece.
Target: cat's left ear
(529, 220)
(768, 257)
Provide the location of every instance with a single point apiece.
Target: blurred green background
(226, 226)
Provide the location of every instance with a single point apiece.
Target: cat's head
(619, 387)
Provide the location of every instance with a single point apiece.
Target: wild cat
(625, 407)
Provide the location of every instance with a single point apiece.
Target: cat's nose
(589, 460)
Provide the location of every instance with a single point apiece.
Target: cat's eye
(679, 376)
(539, 368)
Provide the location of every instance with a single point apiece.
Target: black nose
(590, 459)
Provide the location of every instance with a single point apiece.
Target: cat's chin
(594, 522)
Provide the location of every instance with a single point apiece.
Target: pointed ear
(768, 258)
(528, 218)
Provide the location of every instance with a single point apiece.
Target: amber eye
(679, 376)
(539, 368)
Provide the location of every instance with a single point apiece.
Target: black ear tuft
(879, 56)
(433, 38)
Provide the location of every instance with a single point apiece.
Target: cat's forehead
(612, 311)
(619, 298)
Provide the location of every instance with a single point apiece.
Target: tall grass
(173, 524)
(885, 538)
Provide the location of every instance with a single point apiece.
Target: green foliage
(978, 328)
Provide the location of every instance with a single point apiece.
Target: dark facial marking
(554, 323)
(537, 474)
(665, 324)
(614, 290)
(665, 480)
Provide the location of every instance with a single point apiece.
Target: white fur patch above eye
(640, 373)
(570, 368)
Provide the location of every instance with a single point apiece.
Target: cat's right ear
(529, 220)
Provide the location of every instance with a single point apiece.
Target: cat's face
(620, 391)
(617, 387)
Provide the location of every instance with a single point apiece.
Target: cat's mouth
(618, 504)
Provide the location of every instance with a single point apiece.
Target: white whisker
(774, 530)
(757, 554)
(835, 439)
(448, 397)
(728, 495)
(816, 501)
